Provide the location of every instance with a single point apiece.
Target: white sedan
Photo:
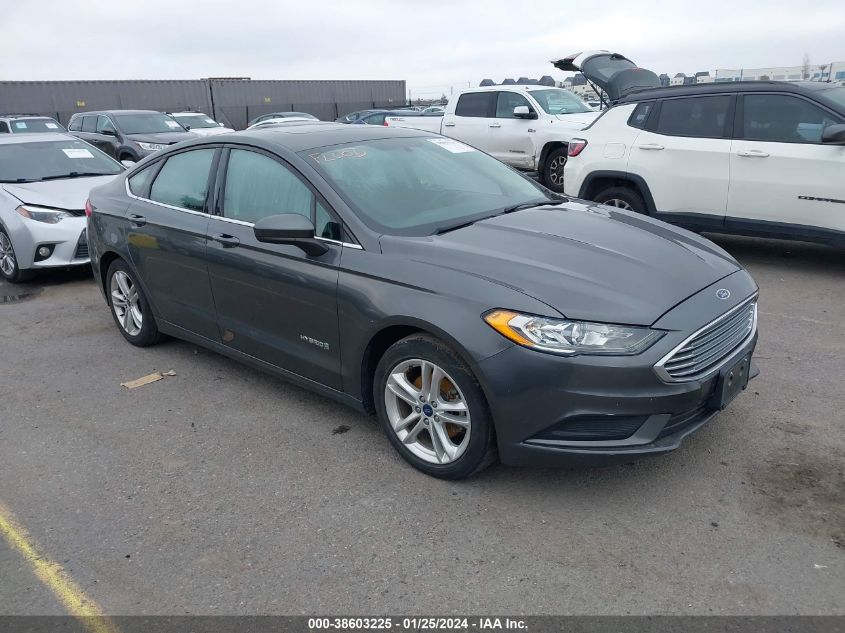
(200, 124)
(280, 121)
(44, 184)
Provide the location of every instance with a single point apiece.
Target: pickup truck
(526, 126)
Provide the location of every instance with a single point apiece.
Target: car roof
(43, 137)
(300, 136)
(26, 116)
(117, 112)
(726, 87)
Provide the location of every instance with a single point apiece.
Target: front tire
(129, 306)
(553, 169)
(432, 409)
(9, 262)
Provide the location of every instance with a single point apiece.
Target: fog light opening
(43, 252)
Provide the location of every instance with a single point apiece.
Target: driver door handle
(137, 220)
(449, 124)
(651, 146)
(228, 241)
(495, 125)
(753, 153)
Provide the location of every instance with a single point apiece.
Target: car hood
(579, 120)
(166, 138)
(69, 194)
(586, 261)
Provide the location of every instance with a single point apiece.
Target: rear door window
(183, 181)
(783, 119)
(89, 124)
(702, 117)
(475, 104)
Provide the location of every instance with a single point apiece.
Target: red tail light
(576, 146)
(385, 123)
(89, 208)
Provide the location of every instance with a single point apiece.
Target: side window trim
(220, 190)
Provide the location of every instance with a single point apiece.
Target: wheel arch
(389, 332)
(598, 180)
(548, 148)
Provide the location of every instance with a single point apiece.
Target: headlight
(151, 147)
(49, 216)
(562, 336)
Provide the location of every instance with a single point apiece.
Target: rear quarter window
(701, 117)
(475, 104)
(639, 117)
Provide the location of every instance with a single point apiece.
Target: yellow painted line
(54, 577)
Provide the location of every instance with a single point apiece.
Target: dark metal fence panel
(233, 102)
(236, 102)
(62, 98)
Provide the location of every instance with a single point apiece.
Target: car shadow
(800, 256)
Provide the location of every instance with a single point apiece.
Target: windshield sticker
(456, 147)
(338, 154)
(20, 125)
(173, 124)
(52, 126)
(78, 153)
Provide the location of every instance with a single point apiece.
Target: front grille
(82, 246)
(705, 350)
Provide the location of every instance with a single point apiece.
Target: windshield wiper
(18, 180)
(530, 205)
(75, 174)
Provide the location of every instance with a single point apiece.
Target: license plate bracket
(732, 381)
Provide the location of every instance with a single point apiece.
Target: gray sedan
(409, 275)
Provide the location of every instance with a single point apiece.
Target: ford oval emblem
(723, 293)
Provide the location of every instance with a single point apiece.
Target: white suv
(755, 158)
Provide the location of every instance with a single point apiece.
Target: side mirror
(127, 163)
(289, 228)
(186, 126)
(522, 112)
(834, 134)
(221, 125)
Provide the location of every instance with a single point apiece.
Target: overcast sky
(433, 44)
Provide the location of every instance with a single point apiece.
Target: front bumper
(67, 239)
(554, 410)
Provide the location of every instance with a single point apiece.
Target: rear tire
(622, 198)
(445, 431)
(130, 308)
(9, 262)
(553, 169)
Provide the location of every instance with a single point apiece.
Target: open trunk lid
(614, 74)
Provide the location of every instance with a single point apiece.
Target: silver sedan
(44, 184)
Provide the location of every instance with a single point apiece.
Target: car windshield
(835, 97)
(559, 101)
(152, 123)
(30, 126)
(195, 120)
(48, 160)
(421, 185)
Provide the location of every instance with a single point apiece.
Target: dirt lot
(223, 490)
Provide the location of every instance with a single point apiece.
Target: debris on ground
(146, 380)
(340, 429)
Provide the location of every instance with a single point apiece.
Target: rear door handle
(449, 124)
(228, 241)
(137, 220)
(495, 125)
(753, 153)
(651, 146)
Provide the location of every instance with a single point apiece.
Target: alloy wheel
(618, 203)
(427, 411)
(7, 255)
(125, 302)
(556, 170)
